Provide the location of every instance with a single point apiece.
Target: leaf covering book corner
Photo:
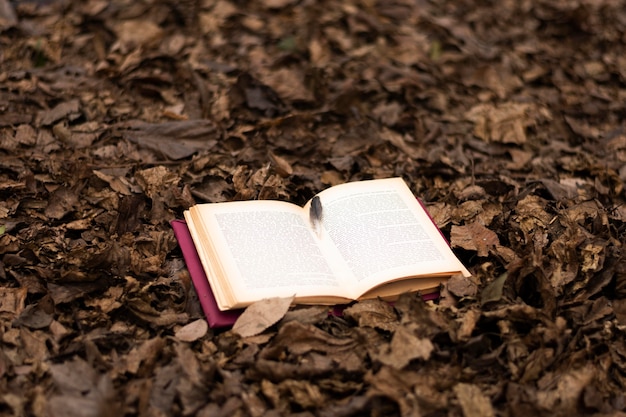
(365, 239)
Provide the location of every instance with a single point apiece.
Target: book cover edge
(214, 316)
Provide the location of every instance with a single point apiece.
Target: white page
(382, 232)
(269, 248)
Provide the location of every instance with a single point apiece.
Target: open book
(369, 239)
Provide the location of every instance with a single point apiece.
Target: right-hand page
(383, 233)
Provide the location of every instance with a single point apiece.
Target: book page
(266, 249)
(383, 233)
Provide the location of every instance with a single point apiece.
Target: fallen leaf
(282, 167)
(505, 122)
(171, 140)
(137, 32)
(404, 347)
(155, 180)
(593, 254)
(288, 83)
(33, 317)
(373, 313)
(12, 300)
(619, 306)
(473, 402)
(301, 338)
(8, 18)
(140, 108)
(467, 324)
(118, 184)
(531, 214)
(256, 95)
(142, 358)
(307, 314)
(82, 391)
(493, 291)
(62, 201)
(192, 331)
(164, 388)
(62, 110)
(25, 135)
(261, 315)
(474, 236)
(565, 389)
(462, 286)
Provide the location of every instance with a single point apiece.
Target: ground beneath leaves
(506, 118)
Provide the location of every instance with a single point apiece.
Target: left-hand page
(252, 250)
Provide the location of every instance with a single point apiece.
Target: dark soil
(506, 118)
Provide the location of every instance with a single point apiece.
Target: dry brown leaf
(306, 315)
(499, 79)
(302, 338)
(12, 300)
(332, 177)
(257, 95)
(155, 180)
(277, 4)
(281, 165)
(62, 201)
(620, 311)
(593, 254)
(171, 140)
(137, 33)
(474, 236)
(8, 18)
(288, 83)
(388, 113)
(467, 324)
(62, 110)
(192, 331)
(532, 214)
(462, 286)
(506, 123)
(25, 135)
(373, 313)
(565, 389)
(142, 357)
(401, 142)
(493, 290)
(404, 347)
(473, 402)
(261, 315)
(33, 317)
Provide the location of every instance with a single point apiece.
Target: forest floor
(506, 118)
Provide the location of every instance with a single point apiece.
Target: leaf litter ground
(505, 117)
